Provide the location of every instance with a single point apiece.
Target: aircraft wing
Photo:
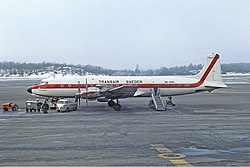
(120, 92)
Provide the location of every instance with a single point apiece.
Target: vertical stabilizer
(211, 72)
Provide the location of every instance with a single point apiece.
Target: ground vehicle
(10, 106)
(53, 104)
(66, 105)
(33, 105)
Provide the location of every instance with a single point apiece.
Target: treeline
(31, 68)
(187, 70)
(180, 70)
(236, 67)
(17, 68)
(193, 69)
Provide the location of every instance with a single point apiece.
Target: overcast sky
(119, 34)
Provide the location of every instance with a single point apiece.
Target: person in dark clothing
(155, 90)
(38, 105)
(45, 107)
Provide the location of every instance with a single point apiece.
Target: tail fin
(211, 72)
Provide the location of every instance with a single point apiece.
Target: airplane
(112, 88)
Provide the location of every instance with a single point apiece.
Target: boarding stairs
(157, 99)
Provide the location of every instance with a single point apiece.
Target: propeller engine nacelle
(91, 93)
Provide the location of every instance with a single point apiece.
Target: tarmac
(206, 129)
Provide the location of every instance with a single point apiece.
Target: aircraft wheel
(111, 103)
(117, 107)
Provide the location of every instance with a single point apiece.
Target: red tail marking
(210, 67)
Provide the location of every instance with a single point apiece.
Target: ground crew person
(155, 90)
(38, 105)
(45, 107)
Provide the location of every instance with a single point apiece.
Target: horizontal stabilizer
(216, 86)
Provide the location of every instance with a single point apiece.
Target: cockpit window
(44, 83)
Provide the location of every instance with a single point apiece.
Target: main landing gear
(169, 101)
(115, 105)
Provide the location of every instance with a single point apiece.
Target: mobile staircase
(157, 99)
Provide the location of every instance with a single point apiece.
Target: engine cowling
(91, 93)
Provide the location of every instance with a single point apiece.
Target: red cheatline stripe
(176, 85)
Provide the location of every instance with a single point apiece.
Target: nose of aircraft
(29, 90)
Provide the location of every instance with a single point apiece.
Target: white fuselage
(68, 86)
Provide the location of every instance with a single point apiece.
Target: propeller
(79, 94)
(86, 94)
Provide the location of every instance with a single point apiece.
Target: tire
(5, 109)
(67, 110)
(117, 107)
(111, 103)
(58, 111)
